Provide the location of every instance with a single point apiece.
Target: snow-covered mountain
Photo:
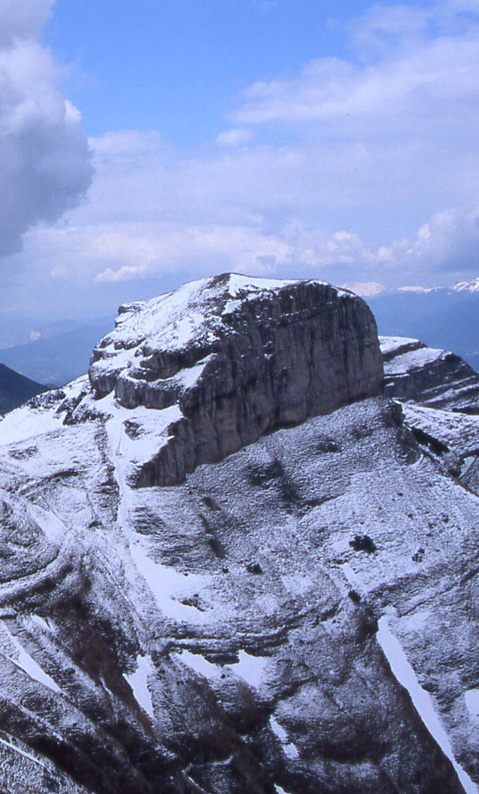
(284, 602)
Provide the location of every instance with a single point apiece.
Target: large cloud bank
(361, 168)
(44, 160)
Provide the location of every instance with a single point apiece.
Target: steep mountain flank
(231, 358)
(299, 616)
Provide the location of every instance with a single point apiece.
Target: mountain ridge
(16, 389)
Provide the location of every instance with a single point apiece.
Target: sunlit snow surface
(169, 587)
(199, 664)
(472, 703)
(248, 667)
(138, 681)
(289, 748)
(411, 354)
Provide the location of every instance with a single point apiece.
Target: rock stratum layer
(237, 357)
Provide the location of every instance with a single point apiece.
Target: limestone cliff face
(231, 358)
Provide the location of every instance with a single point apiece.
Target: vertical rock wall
(256, 358)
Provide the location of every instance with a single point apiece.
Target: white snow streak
(29, 666)
(21, 752)
(421, 699)
(472, 703)
(289, 748)
(139, 684)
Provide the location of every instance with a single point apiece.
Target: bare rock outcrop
(434, 377)
(227, 359)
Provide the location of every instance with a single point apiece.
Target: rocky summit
(229, 565)
(230, 358)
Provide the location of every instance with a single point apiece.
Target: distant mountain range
(15, 389)
(55, 353)
(443, 317)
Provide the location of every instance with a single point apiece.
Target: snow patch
(278, 730)
(249, 668)
(23, 424)
(139, 683)
(412, 360)
(472, 703)
(199, 664)
(390, 343)
(239, 284)
(169, 586)
(49, 523)
(351, 575)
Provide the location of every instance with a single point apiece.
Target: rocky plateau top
(230, 358)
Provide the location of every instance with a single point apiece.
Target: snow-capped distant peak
(366, 289)
(467, 286)
(416, 288)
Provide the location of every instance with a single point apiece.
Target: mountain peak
(230, 358)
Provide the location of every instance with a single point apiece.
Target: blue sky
(177, 65)
(146, 143)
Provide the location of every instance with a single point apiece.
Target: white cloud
(23, 19)
(44, 158)
(449, 240)
(235, 137)
(433, 78)
(343, 164)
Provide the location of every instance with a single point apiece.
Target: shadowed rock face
(253, 356)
